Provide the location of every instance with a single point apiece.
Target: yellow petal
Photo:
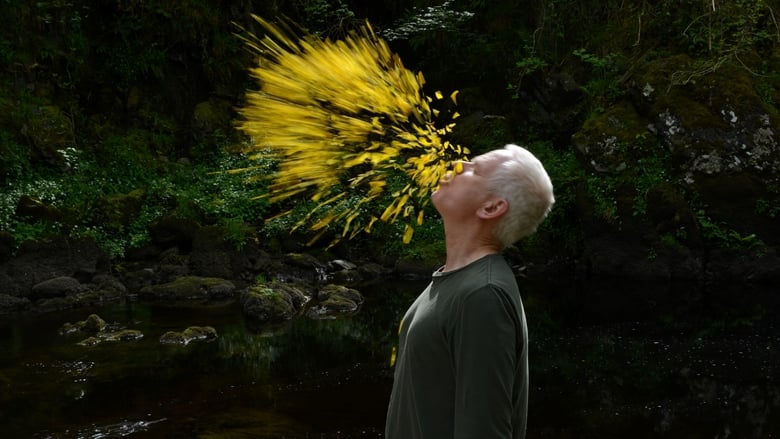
(408, 234)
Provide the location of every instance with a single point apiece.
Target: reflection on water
(120, 429)
(652, 361)
(626, 361)
(305, 379)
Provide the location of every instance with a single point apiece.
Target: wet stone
(93, 324)
(192, 333)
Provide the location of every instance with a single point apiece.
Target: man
(462, 363)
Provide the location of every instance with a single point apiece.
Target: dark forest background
(656, 120)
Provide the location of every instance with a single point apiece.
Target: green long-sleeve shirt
(462, 363)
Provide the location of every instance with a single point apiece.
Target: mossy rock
(332, 307)
(297, 294)
(210, 116)
(57, 304)
(12, 304)
(334, 301)
(266, 303)
(34, 209)
(332, 290)
(191, 288)
(116, 211)
(303, 260)
(92, 324)
(192, 333)
(123, 335)
(51, 131)
(611, 140)
(482, 132)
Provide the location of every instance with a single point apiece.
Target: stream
(608, 360)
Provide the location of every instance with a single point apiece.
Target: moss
(116, 211)
(192, 333)
(266, 304)
(124, 335)
(614, 140)
(190, 287)
(621, 120)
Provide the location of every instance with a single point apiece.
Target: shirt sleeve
(484, 348)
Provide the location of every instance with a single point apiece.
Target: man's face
(464, 192)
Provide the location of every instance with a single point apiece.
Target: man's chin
(435, 195)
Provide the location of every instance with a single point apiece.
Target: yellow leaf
(340, 118)
(408, 232)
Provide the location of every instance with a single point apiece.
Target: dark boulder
(39, 261)
(192, 333)
(61, 286)
(190, 288)
(273, 302)
(333, 301)
(12, 304)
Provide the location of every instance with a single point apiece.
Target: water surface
(634, 360)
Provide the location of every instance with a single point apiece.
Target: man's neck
(463, 250)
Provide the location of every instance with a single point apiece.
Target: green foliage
(566, 174)
(675, 238)
(716, 33)
(651, 171)
(14, 158)
(619, 35)
(205, 193)
(563, 168)
(770, 208)
(427, 244)
(723, 235)
(132, 63)
(445, 44)
(23, 231)
(6, 52)
(526, 65)
(764, 207)
(226, 194)
(113, 245)
(236, 231)
(326, 18)
(637, 165)
(726, 27)
(605, 70)
(138, 229)
(141, 40)
(419, 24)
(602, 190)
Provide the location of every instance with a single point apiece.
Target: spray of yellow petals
(340, 117)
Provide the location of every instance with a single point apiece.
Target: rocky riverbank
(61, 273)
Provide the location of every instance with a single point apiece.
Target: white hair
(523, 182)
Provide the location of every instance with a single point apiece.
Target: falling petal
(340, 118)
(408, 232)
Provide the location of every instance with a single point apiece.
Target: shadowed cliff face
(689, 169)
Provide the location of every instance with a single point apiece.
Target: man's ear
(493, 209)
